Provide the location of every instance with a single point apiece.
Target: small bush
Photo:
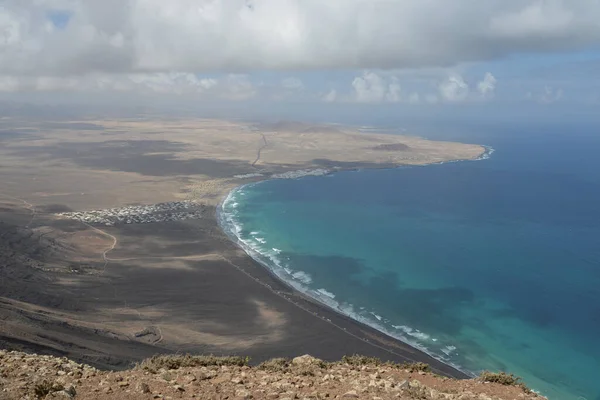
(306, 372)
(416, 367)
(500, 377)
(43, 389)
(357, 360)
(504, 379)
(182, 361)
(275, 365)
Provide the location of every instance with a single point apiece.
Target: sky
(396, 55)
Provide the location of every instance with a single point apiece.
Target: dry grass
(504, 379)
(276, 365)
(415, 367)
(44, 388)
(169, 362)
(358, 360)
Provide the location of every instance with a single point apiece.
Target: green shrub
(416, 367)
(358, 360)
(182, 361)
(500, 377)
(41, 390)
(504, 379)
(275, 364)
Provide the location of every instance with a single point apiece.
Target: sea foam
(327, 293)
(302, 277)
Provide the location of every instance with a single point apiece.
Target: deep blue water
(491, 264)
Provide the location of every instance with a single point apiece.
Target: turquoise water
(491, 264)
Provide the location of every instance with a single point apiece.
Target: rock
(143, 387)
(202, 376)
(350, 395)
(243, 394)
(222, 378)
(123, 384)
(415, 384)
(71, 391)
(179, 388)
(305, 360)
(68, 392)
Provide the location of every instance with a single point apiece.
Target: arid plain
(113, 294)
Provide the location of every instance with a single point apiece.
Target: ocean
(487, 265)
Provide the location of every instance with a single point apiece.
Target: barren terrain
(176, 377)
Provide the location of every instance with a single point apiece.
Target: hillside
(24, 376)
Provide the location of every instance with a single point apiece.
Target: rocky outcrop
(24, 376)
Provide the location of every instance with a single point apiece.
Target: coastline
(189, 296)
(379, 337)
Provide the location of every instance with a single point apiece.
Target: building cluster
(142, 214)
(301, 173)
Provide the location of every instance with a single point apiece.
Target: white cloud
(231, 87)
(146, 36)
(373, 88)
(330, 96)
(547, 95)
(369, 88)
(551, 95)
(487, 86)
(454, 89)
(384, 86)
(238, 87)
(172, 82)
(393, 93)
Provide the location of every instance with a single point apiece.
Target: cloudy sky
(400, 53)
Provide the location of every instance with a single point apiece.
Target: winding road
(260, 149)
(109, 249)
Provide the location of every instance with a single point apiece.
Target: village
(139, 214)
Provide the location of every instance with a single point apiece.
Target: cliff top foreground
(25, 376)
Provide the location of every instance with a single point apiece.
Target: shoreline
(420, 354)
